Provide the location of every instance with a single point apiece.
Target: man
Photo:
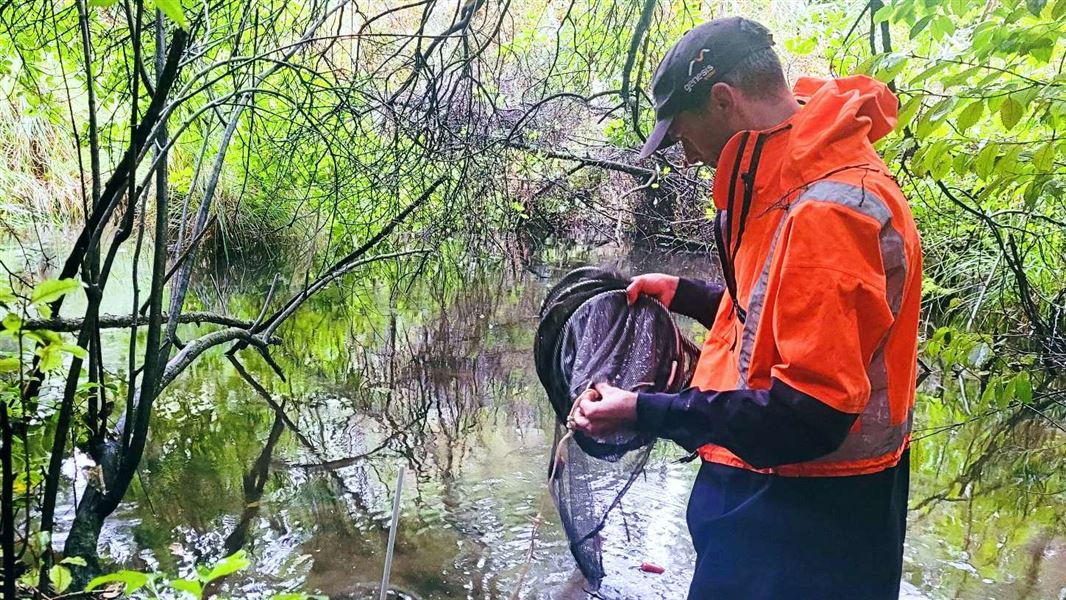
(801, 403)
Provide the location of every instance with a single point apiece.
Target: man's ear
(723, 96)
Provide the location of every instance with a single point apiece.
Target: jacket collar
(744, 162)
(839, 121)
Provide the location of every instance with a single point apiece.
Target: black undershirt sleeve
(765, 428)
(697, 299)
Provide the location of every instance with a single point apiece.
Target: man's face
(704, 131)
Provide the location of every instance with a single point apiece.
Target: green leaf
(982, 36)
(920, 25)
(1035, 6)
(961, 77)
(932, 117)
(907, 111)
(1044, 157)
(50, 290)
(969, 116)
(60, 578)
(991, 395)
(132, 579)
(74, 560)
(890, 66)
(45, 336)
(961, 163)
(173, 9)
(12, 322)
(1002, 395)
(75, 350)
(986, 160)
(1010, 112)
(1058, 11)
(231, 564)
(938, 161)
(9, 364)
(188, 585)
(1023, 388)
(1010, 160)
(1041, 53)
(801, 46)
(1032, 193)
(866, 67)
(937, 67)
(51, 358)
(942, 26)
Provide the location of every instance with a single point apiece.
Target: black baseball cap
(696, 62)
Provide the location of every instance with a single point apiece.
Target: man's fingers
(589, 408)
(583, 424)
(603, 388)
(632, 291)
(589, 395)
(581, 421)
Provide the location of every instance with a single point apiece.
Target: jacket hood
(840, 115)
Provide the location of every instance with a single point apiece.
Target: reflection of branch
(280, 413)
(537, 520)
(340, 463)
(7, 513)
(992, 449)
(254, 482)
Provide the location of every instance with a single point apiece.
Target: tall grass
(39, 175)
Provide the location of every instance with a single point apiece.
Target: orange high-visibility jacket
(828, 268)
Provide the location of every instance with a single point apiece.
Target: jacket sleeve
(825, 301)
(697, 299)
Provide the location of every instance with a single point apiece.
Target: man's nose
(692, 156)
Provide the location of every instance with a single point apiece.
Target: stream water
(431, 368)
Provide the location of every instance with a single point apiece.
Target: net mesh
(589, 334)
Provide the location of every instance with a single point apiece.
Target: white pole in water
(392, 534)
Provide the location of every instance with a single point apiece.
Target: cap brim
(658, 139)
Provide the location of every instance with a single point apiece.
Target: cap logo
(700, 75)
(698, 59)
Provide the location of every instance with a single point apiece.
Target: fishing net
(589, 334)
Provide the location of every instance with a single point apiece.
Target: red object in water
(648, 567)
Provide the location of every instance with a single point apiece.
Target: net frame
(578, 470)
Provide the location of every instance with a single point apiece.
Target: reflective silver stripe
(755, 303)
(876, 436)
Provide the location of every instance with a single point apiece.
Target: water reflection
(436, 373)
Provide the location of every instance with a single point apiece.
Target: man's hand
(657, 285)
(605, 409)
